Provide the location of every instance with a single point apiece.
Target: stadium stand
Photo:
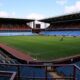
(12, 27)
(67, 25)
(8, 63)
(41, 71)
(36, 70)
(33, 70)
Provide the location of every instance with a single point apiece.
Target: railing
(45, 67)
(8, 74)
(76, 72)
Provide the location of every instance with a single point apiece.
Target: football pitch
(44, 47)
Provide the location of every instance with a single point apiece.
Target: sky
(37, 9)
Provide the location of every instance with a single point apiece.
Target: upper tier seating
(14, 27)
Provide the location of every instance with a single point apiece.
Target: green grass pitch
(44, 47)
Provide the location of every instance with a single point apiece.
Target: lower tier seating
(61, 33)
(16, 33)
(27, 72)
(24, 70)
(68, 70)
(4, 78)
(4, 58)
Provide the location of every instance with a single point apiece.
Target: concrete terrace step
(55, 75)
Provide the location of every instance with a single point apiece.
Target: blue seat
(68, 71)
(4, 78)
(60, 33)
(16, 33)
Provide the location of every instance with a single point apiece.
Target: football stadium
(52, 53)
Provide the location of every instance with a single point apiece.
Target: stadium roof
(63, 18)
(15, 20)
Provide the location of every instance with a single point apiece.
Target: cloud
(35, 16)
(3, 14)
(13, 14)
(6, 14)
(61, 2)
(73, 8)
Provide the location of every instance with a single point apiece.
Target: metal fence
(16, 73)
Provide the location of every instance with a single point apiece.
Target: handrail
(45, 66)
(33, 65)
(77, 67)
(13, 74)
(44, 78)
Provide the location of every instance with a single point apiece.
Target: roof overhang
(68, 17)
(15, 20)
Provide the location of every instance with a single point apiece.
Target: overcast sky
(37, 8)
